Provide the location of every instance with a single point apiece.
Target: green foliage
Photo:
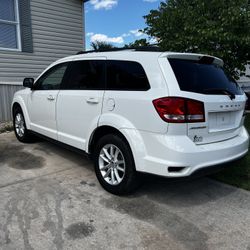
(216, 27)
(137, 43)
(99, 45)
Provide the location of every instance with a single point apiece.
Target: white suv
(168, 114)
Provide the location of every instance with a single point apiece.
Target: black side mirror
(28, 82)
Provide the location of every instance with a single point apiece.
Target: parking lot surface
(50, 199)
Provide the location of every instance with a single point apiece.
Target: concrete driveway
(50, 199)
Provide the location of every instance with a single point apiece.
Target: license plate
(219, 121)
(223, 119)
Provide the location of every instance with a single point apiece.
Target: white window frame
(18, 31)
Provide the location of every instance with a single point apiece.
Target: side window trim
(65, 77)
(48, 71)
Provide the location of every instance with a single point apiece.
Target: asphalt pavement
(51, 199)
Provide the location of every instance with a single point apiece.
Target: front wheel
(20, 129)
(114, 165)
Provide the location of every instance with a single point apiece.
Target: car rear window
(193, 76)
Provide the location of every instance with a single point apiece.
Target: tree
(100, 45)
(137, 43)
(216, 27)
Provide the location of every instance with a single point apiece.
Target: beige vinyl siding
(6, 95)
(57, 30)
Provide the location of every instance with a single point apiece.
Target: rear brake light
(180, 110)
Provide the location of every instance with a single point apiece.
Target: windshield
(197, 77)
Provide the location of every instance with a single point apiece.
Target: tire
(248, 101)
(115, 168)
(19, 125)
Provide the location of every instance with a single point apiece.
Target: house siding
(57, 31)
(6, 95)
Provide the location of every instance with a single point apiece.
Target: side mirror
(28, 82)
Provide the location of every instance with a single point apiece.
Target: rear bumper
(164, 151)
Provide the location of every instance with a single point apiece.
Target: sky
(116, 21)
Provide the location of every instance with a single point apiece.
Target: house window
(9, 25)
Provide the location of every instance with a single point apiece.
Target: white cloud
(90, 34)
(103, 4)
(126, 34)
(150, 1)
(153, 40)
(136, 33)
(105, 38)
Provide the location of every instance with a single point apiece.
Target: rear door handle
(92, 100)
(51, 98)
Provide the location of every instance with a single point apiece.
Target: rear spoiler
(206, 59)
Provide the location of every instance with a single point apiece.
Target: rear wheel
(20, 129)
(114, 165)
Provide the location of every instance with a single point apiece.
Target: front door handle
(51, 98)
(92, 100)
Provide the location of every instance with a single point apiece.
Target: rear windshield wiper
(221, 91)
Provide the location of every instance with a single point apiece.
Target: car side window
(126, 75)
(85, 75)
(52, 79)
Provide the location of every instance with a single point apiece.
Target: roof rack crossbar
(140, 48)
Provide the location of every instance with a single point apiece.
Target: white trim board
(11, 83)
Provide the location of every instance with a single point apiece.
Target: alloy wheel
(112, 164)
(19, 125)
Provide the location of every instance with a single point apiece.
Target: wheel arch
(14, 107)
(18, 102)
(131, 136)
(100, 132)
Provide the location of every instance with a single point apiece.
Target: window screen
(7, 10)
(87, 74)
(126, 75)
(8, 24)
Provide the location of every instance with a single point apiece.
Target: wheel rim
(112, 164)
(19, 125)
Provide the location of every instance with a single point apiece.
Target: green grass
(237, 173)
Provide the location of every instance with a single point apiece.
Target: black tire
(248, 101)
(130, 181)
(25, 136)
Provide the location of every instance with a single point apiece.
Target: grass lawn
(237, 173)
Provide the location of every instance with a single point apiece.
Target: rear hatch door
(203, 78)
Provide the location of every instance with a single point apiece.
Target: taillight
(180, 110)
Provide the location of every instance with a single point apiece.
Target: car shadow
(195, 190)
(183, 191)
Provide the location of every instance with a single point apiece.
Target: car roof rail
(151, 48)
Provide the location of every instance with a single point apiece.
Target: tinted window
(52, 79)
(85, 75)
(124, 75)
(196, 77)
